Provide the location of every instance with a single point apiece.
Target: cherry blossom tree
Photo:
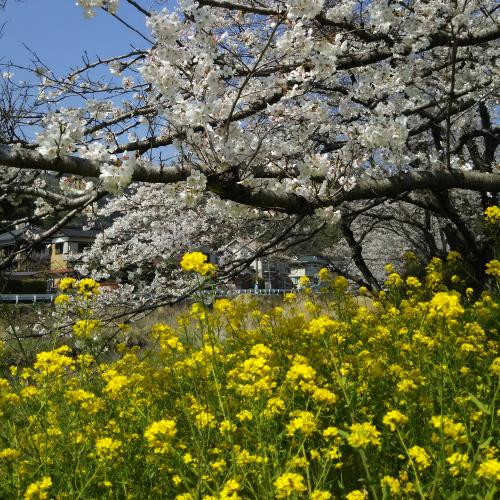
(275, 119)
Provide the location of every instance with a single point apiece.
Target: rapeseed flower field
(319, 397)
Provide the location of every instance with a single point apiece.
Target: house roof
(10, 237)
(311, 259)
(74, 232)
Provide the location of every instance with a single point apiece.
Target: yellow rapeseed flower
(38, 490)
(453, 256)
(107, 448)
(320, 495)
(226, 426)
(392, 483)
(115, 382)
(9, 454)
(304, 282)
(62, 298)
(362, 435)
(492, 215)
(318, 326)
(274, 406)
(413, 282)
(54, 362)
(87, 287)
(223, 306)
(197, 262)
(409, 256)
(229, 490)
(393, 419)
(66, 284)
(289, 483)
(459, 462)
(300, 370)
(84, 328)
(331, 432)
(489, 470)
(394, 280)
(302, 421)
(357, 495)
(495, 367)
(323, 273)
(159, 435)
(205, 419)
(446, 304)
(322, 395)
(244, 415)
(419, 457)
(451, 429)
(493, 268)
(340, 283)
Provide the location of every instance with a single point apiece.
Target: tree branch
(389, 187)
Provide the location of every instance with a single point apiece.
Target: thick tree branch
(27, 159)
(389, 187)
(411, 181)
(357, 253)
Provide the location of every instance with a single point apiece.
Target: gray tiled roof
(10, 237)
(76, 233)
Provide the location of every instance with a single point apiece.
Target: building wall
(58, 261)
(64, 259)
(310, 270)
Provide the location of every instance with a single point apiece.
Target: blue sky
(60, 35)
(58, 32)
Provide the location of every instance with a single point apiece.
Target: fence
(27, 298)
(253, 291)
(31, 298)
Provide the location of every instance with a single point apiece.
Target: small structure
(49, 260)
(64, 244)
(37, 260)
(273, 273)
(263, 273)
(308, 266)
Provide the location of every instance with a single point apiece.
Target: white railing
(31, 298)
(253, 291)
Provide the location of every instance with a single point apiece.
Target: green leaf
(480, 405)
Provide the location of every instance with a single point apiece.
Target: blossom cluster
(89, 6)
(61, 134)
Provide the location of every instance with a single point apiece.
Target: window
(82, 247)
(58, 248)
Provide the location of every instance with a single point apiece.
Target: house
(64, 244)
(273, 272)
(50, 259)
(35, 262)
(267, 272)
(308, 266)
